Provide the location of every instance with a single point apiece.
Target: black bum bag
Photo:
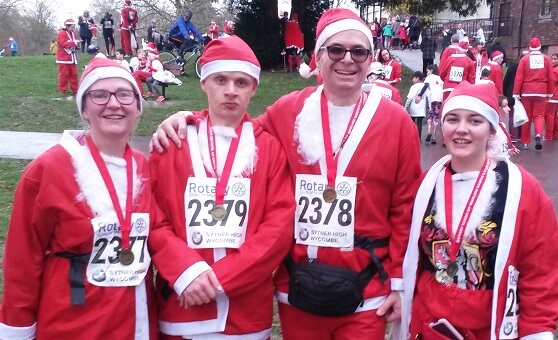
(326, 290)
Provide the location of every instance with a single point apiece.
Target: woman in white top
(435, 84)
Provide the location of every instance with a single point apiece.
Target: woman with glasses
(353, 191)
(481, 259)
(76, 263)
(392, 69)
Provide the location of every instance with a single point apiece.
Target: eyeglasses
(101, 97)
(337, 53)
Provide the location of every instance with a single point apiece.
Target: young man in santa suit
(377, 83)
(228, 202)
(457, 69)
(495, 67)
(352, 214)
(213, 30)
(451, 49)
(128, 20)
(66, 57)
(482, 248)
(534, 84)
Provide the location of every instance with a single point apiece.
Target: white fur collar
(462, 187)
(89, 180)
(246, 156)
(308, 127)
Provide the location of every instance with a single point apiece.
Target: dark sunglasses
(337, 53)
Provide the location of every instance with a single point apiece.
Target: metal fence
(470, 27)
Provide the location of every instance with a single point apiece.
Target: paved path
(413, 58)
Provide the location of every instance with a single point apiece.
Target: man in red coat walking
(128, 21)
(66, 57)
(495, 67)
(533, 86)
(456, 69)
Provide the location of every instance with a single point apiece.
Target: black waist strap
(77, 277)
(367, 273)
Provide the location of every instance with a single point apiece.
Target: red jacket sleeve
(471, 73)
(519, 77)
(550, 77)
(29, 234)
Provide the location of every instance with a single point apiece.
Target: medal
(219, 212)
(452, 268)
(329, 194)
(126, 257)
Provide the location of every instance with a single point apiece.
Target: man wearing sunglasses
(354, 158)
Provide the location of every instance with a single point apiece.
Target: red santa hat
(496, 54)
(464, 45)
(102, 68)
(535, 44)
(479, 98)
(128, 2)
(229, 54)
(69, 22)
(307, 71)
(337, 20)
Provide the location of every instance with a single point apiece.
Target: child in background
(155, 68)
(143, 72)
(136, 61)
(435, 85)
(402, 32)
(120, 59)
(417, 110)
(53, 47)
(508, 148)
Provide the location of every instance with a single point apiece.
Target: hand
(418, 98)
(513, 151)
(516, 97)
(202, 290)
(173, 128)
(391, 308)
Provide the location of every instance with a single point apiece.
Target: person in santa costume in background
(550, 112)
(456, 69)
(533, 86)
(294, 42)
(496, 73)
(213, 30)
(128, 20)
(377, 83)
(210, 285)
(76, 264)
(66, 57)
(228, 26)
(451, 49)
(482, 248)
(392, 68)
(353, 215)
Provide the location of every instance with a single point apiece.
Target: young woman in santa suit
(392, 69)
(76, 263)
(483, 236)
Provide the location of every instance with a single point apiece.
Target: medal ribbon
(331, 158)
(448, 191)
(221, 186)
(125, 221)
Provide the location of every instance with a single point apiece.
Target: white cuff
(185, 113)
(396, 284)
(17, 333)
(539, 336)
(190, 275)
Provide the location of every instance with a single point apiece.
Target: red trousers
(141, 76)
(534, 106)
(297, 324)
(67, 73)
(550, 120)
(126, 41)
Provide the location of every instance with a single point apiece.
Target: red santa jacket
(451, 49)
(457, 68)
(393, 71)
(496, 75)
(293, 36)
(213, 31)
(385, 89)
(554, 98)
(128, 18)
(385, 187)
(527, 243)
(245, 274)
(374, 28)
(67, 43)
(534, 76)
(52, 212)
